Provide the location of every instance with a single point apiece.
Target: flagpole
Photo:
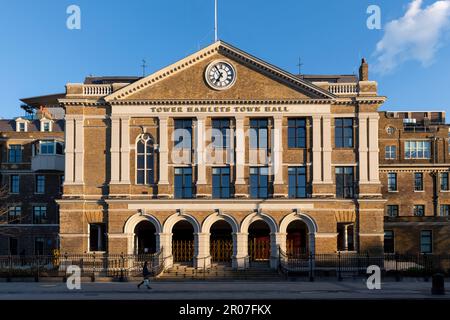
(215, 22)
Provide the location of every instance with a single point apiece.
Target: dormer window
(21, 125)
(46, 125)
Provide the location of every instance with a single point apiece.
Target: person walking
(145, 275)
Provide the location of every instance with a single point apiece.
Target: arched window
(145, 160)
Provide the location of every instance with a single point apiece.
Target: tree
(9, 230)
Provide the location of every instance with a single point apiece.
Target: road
(348, 289)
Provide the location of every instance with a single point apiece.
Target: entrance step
(219, 272)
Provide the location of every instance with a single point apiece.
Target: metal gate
(221, 250)
(183, 250)
(259, 249)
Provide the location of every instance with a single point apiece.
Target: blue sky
(39, 55)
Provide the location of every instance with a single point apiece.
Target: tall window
(392, 210)
(418, 181)
(426, 241)
(40, 184)
(259, 133)
(444, 181)
(97, 237)
(183, 183)
(346, 241)
(297, 133)
(15, 153)
(39, 214)
(221, 183)
(14, 214)
(13, 246)
(344, 182)
(419, 210)
(145, 160)
(259, 182)
(445, 210)
(297, 182)
(389, 245)
(417, 150)
(14, 184)
(392, 181)
(390, 152)
(183, 133)
(343, 132)
(221, 133)
(39, 245)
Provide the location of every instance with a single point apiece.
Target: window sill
(419, 190)
(393, 191)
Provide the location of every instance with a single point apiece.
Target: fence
(91, 265)
(354, 264)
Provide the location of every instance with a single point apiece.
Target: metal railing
(91, 265)
(353, 264)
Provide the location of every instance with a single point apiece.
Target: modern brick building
(224, 157)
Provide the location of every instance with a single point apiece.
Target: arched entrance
(259, 241)
(183, 242)
(145, 238)
(221, 242)
(297, 239)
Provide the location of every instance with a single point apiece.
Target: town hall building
(223, 157)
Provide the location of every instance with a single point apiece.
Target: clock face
(220, 75)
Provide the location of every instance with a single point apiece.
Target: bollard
(438, 284)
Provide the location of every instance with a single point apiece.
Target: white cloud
(415, 36)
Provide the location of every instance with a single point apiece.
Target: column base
(202, 262)
(240, 262)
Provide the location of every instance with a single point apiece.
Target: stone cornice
(219, 102)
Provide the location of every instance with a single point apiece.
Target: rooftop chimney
(364, 71)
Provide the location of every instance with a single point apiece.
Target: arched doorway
(221, 242)
(183, 242)
(297, 241)
(144, 238)
(259, 241)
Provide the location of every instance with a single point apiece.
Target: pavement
(192, 290)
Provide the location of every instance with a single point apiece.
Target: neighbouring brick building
(31, 171)
(224, 157)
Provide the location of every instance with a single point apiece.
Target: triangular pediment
(255, 80)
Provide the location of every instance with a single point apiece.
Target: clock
(220, 75)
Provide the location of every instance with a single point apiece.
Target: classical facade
(222, 145)
(222, 157)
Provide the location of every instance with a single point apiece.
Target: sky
(408, 55)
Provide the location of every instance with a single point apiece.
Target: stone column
(79, 150)
(165, 243)
(163, 149)
(363, 165)
(200, 157)
(115, 150)
(317, 149)
(240, 259)
(69, 151)
(327, 149)
(280, 188)
(202, 257)
(125, 150)
(373, 148)
(240, 185)
(276, 239)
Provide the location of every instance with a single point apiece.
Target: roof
(46, 100)
(334, 78)
(110, 79)
(33, 126)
